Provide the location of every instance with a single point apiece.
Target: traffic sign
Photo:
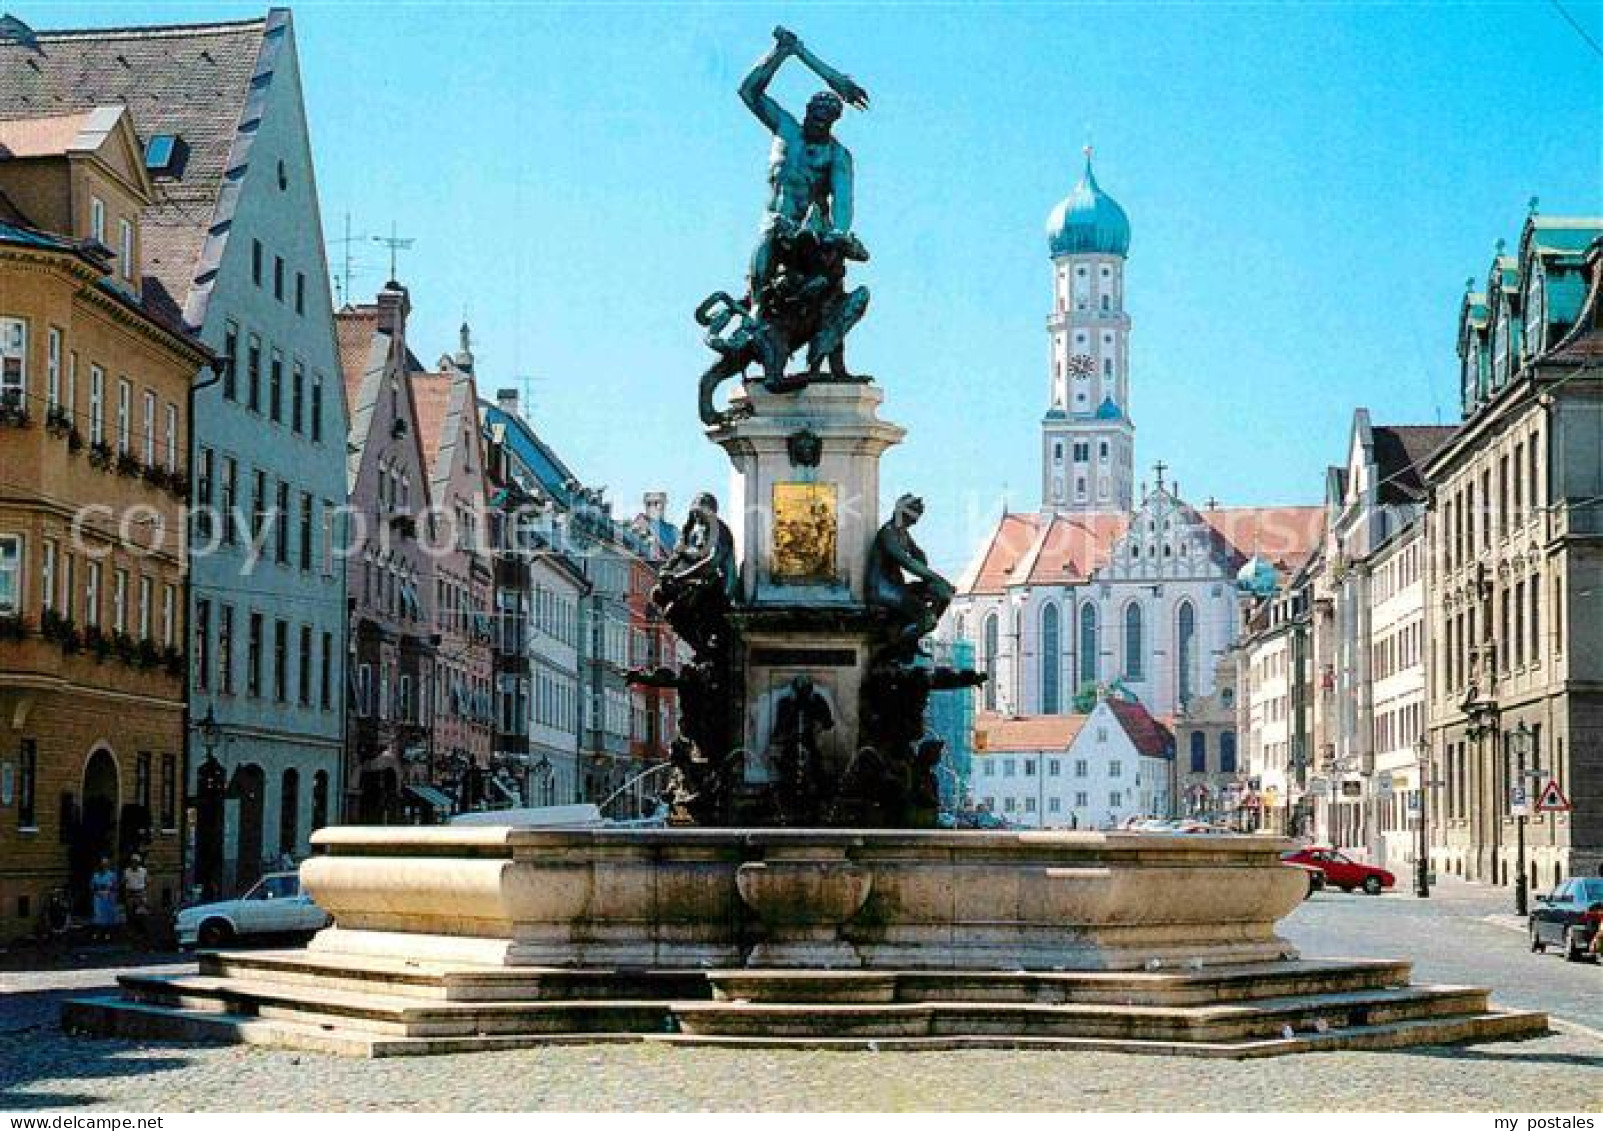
(1518, 803)
(1552, 799)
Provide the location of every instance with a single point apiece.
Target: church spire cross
(1159, 468)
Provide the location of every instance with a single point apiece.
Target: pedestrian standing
(135, 882)
(103, 893)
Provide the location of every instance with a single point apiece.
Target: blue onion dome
(1088, 220)
(1258, 577)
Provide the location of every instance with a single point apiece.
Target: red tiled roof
(1043, 550)
(1012, 539)
(431, 392)
(1146, 733)
(1286, 536)
(1075, 546)
(998, 733)
(1037, 549)
(354, 327)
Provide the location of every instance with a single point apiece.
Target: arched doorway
(249, 789)
(94, 833)
(289, 813)
(211, 784)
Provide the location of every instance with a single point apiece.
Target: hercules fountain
(801, 894)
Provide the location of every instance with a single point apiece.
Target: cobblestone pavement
(1448, 938)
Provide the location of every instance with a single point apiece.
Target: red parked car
(1343, 872)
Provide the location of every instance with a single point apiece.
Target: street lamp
(1427, 782)
(203, 858)
(1522, 743)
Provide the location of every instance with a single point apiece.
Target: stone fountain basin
(802, 898)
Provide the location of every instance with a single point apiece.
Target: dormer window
(164, 155)
(97, 219)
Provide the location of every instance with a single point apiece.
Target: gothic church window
(1051, 658)
(1186, 650)
(1088, 644)
(1134, 644)
(989, 644)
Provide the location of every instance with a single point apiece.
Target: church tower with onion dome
(1087, 437)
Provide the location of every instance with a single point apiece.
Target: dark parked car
(1342, 871)
(1568, 917)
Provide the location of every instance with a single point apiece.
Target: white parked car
(275, 906)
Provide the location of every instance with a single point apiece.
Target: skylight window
(164, 153)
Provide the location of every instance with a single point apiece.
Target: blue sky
(1309, 186)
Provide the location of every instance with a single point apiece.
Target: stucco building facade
(233, 250)
(94, 419)
(1515, 533)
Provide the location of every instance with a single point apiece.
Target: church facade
(1112, 586)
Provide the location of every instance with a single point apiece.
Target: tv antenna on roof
(348, 265)
(395, 244)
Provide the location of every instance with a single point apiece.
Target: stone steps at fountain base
(390, 1015)
(445, 981)
(112, 1017)
(369, 1007)
(1492, 1025)
(1178, 986)
(130, 1020)
(1214, 1023)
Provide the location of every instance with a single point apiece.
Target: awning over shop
(431, 797)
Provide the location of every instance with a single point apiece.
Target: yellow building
(94, 394)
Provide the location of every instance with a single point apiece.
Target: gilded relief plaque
(805, 525)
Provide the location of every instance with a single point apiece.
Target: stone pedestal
(804, 497)
(804, 509)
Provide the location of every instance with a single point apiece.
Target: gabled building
(464, 584)
(94, 443)
(1088, 771)
(575, 522)
(393, 644)
(1514, 528)
(1372, 632)
(230, 246)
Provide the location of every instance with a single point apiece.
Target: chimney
(656, 503)
(393, 307)
(507, 401)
